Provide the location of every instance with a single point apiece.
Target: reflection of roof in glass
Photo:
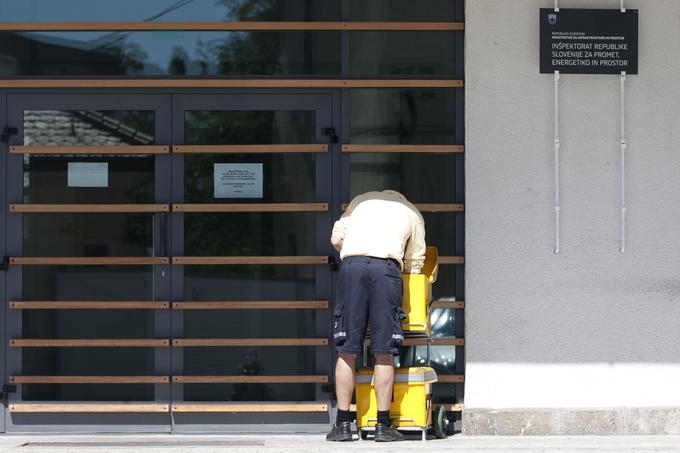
(78, 128)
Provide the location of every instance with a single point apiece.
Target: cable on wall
(623, 162)
(556, 142)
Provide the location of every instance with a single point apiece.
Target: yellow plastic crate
(418, 294)
(411, 400)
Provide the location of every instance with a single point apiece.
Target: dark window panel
(87, 283)
(249, 392)
(246, 127)
(289, 323)
(87, 324)
(159, 53)
(249, 234)
(88, 361)
(403, 116)
(168, 10)
(403, 53)
(87, 234)
(421, 177)
(250, 282)
(250, 361)
(404, 10)
(87, 392)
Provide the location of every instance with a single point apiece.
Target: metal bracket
(6, 390)
(330, 132)
(7, 133)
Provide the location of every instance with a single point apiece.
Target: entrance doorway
(168, 260)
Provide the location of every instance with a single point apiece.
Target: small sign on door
(88, 174)
(238, 180)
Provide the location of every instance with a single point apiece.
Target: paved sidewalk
(315, 443)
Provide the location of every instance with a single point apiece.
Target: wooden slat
(250, 149)
(250, 342)
(241, 379)
(250, 305)
(142, 149)
(450, 378)
(436, 149)
(243, 260)
(88, 343)
(94, 208)
(429, 207)
(88, 305)
(249, 407)
(230, 83)
(451, 260)
(448, 304)
(232, 26)
(451, 407)
(89, 379)
(88, 261)
(89, 407)
(251, 207)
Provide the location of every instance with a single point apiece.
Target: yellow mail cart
(411, 408)
(417, 296)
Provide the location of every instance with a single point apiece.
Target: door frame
(17, 102)
(169, 184)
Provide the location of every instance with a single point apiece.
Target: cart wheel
(363, 434)
(439, 422)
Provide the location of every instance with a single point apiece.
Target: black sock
(343, 416)
(384, 418)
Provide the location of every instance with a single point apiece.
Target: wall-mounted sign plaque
(589, 41)
(238, 180)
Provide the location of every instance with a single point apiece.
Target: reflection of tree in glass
(250, 53)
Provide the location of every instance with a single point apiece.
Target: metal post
(556, 142)
(557, 6)
(623, 162)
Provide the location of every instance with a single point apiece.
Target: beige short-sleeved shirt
(384, 225)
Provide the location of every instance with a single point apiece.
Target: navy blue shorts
(369, 291)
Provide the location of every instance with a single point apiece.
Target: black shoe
(384, 433)
(341, 432)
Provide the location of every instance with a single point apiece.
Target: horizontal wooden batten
(230, 83)
(450, 378)
(142, 149)
(88, 343)
(434, 149)
(249, 379)
(232, 26)
(251, 207)
(434, 341)
(250, 305)
(89, 407)
(429, 207)
(88, 305)
(250, 342)
(88, 261)
(451, 260)
(448, 304)
(249, 407)
(246, 260)
(89, 208)
(250, 149)
(89, 379)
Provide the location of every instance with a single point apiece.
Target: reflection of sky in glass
(158, 44)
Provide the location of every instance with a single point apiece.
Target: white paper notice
(88, 174)
(238, 180)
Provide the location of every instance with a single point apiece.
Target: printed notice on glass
(238, 180)
(589, 41)
(88, 174)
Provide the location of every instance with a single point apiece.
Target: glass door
(251, 216)
(88, 279)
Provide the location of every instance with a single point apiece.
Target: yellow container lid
(421, 374)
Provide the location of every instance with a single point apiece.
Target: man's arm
(339, 231)
(414, 255)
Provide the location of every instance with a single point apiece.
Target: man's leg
(344, 379)
(383, 379)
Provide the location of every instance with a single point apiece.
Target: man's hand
(336, 242)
